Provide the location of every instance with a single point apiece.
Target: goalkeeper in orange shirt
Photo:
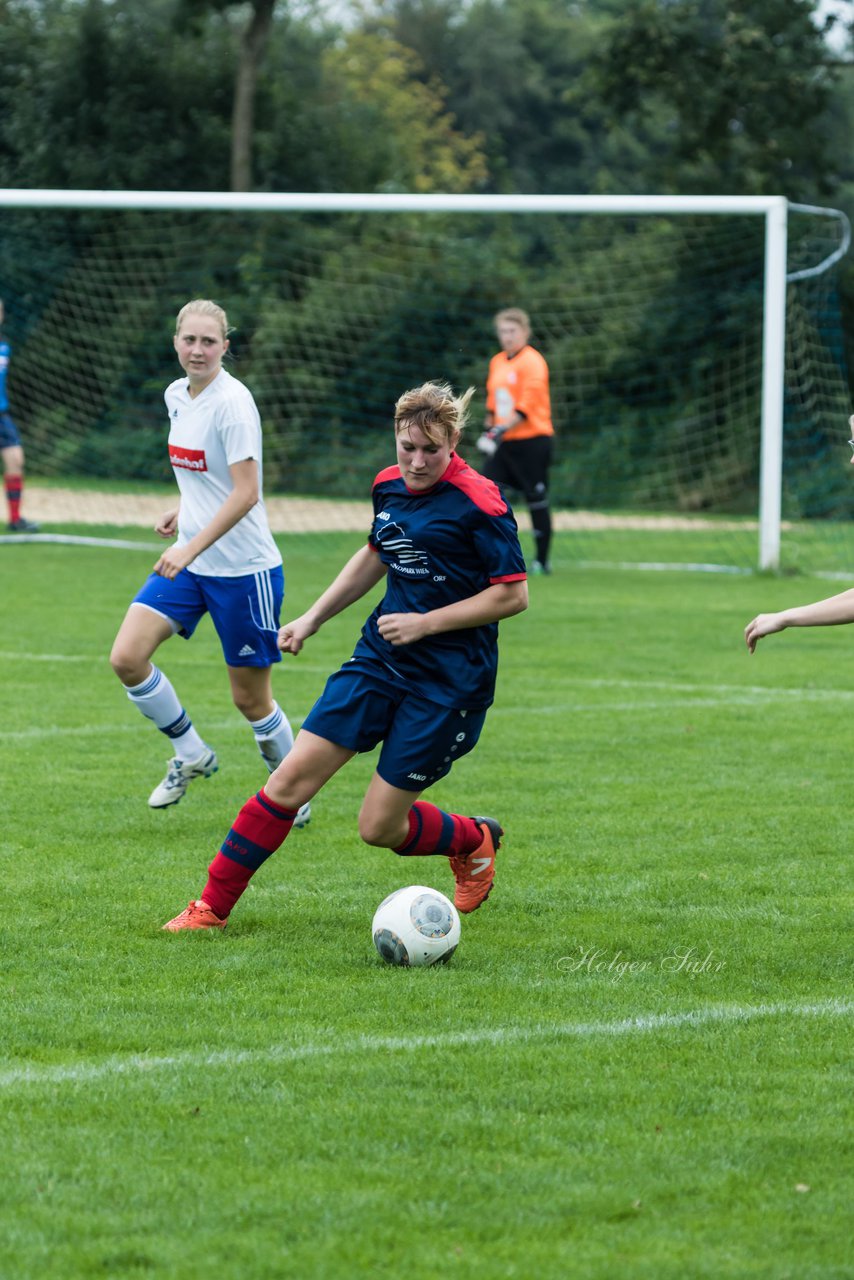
(518, 430)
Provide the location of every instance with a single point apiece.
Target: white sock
(158, 701)
(274, 736)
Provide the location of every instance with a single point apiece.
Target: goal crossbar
(394, 202)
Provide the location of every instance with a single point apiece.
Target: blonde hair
(514, 315)
(435, 410)
(204, 307)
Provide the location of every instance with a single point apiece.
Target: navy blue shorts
(8, 431)
(244, 610)
(362, 705)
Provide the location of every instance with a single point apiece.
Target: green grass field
(637, 1063)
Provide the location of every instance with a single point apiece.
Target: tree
(512, 68)
(107, 96)
(252, 41)
(414, 138)
(357, 114)
(728, 96)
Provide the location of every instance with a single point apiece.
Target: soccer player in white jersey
(223, 562)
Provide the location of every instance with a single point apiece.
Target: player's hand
(487, 444)
(167, 525)
(173, 560)
(293, 635)
(764, 624)
(402, 628)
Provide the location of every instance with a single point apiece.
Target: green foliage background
(420, 95)
(495, 95)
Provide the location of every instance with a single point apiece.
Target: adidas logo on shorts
(246, 652)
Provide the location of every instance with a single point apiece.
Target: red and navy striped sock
(431, 830)
(13, 486)
(258, 830)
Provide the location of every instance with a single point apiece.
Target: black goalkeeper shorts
(522, 465)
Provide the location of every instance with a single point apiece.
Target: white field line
(235, 728)
(660, 566)
(629, 708)
(649, 566)
(99, 659)
(704, 696)
(77, 540)
(582, 682)
(676, 686)
(681, 695)
(711, 695)
(141, 1065)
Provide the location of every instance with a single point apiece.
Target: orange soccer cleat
(197, 915)
(475, 872)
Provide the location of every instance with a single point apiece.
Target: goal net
(654, 325)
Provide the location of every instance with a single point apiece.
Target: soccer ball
(416, 926)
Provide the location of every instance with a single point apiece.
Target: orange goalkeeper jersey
(520, 382)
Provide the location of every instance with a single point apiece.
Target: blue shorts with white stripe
(244, 610)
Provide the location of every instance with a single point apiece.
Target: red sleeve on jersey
(484, 493)
(388, 473)
(509, 577)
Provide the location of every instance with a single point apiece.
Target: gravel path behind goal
(306, 515)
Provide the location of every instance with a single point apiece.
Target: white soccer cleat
(180, 774)
(303, 817)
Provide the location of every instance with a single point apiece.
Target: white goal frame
(774, 210)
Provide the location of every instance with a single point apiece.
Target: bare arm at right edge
(833, 611)
(361, 572)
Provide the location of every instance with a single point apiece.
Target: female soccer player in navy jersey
(422, 675)
(224, 561)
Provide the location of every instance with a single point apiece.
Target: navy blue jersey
(440, 546)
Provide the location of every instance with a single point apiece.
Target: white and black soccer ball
(416, 926)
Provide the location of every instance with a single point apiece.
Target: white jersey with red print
(208, 433)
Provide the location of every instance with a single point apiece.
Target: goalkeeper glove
(490, 440)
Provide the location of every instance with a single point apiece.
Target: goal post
(773, 375)
(772, 211)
